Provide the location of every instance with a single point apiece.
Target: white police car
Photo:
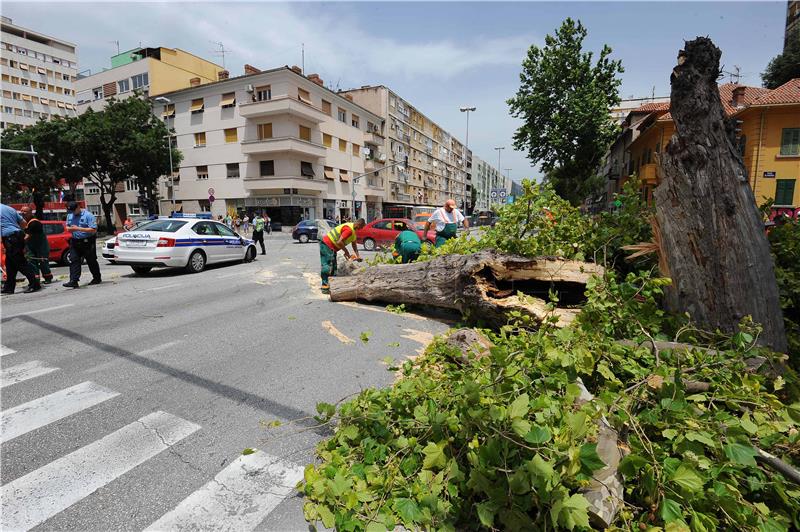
(188, 243)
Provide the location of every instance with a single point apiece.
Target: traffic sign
(211, 191)
(211, 198)
(493, 193)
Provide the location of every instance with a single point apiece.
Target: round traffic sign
(211, 199)
(211, 191)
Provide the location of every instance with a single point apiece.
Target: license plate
(135, 243)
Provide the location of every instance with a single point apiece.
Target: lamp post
(468, 110)
(167, 101)
(499, 148)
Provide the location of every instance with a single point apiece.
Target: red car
(381, 233)
(58, 239)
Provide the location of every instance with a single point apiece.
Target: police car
(189, 243)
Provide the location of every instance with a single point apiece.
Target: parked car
(110, 243)
(308, 229)
(381, 233)
(189, 243)
(57, 239)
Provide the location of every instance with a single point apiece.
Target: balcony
(375, 182)
(373, 138)
(278, 145)
(283, 106)
(281, 182)
(370, 165)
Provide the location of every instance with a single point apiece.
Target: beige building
(38, 73)
(437, 160)
(273, 141)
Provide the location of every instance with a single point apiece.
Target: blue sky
(438, 56)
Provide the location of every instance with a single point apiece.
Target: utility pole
(499, 148)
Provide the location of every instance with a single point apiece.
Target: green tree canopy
(564, 100)
(785, 66)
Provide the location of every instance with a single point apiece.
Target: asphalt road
(128, 404)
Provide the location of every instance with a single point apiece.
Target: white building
(274, 141)
(38, 72)
(485, 179)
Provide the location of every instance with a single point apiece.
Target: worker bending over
(408, 246)
(337, 239)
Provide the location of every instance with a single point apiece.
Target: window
(92, 191)
(329, 173)
(343, 175)
(356, 149)
(790, 141)
(140, 81)
(223, 230)
(204, 228)
(342, 145)
(202, 172)
(124, 85)
(28, 114)
(97, 93)
(133, 209)
(232, 170)
(24, 82)
(354, 120)
(264, 131)
(327, 140)
(205, 205)
(267, 167)
(263, 93)
(386, 224)
(65, 77)
(784, 192)
(199, 139)
(197, 106)
(131, 184)
(306, 169)
(342, 115)
(326, 107)
(400, 225)
(231, 135)
(303, 95)
(169, 111)
(94, 209)
(305, 133)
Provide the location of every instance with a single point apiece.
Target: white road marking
(23, 372)
(32, 499)
(6, 351)
(238, 498)
(40, 412)
(158, 348)
(48, 309)
(163, 287)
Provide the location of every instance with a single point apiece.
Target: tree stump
(712, 234)
(485, 285)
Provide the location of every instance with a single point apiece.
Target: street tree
(125, 140)
(785, 66)
(564, 100)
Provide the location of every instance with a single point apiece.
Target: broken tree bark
(712, 234)
(484, 285)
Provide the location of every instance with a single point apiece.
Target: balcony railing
(281, 106)
(283, 145)
(375, 182)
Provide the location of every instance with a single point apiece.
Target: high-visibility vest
(336, 233)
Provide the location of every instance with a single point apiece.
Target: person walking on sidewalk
(83, 244)
(245, 224)
(37, 247)
(258, 231)
(337, 239)
(447, 219)
(11, 224)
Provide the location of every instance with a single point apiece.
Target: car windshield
(164, 226)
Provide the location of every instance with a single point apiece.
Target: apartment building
(486, 179)
(151, 70)
(38, 73)
(273, 141)
(437, 160)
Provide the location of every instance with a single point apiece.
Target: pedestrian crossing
(238, 498)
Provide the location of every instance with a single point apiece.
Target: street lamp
(167, 101)
(498, 156)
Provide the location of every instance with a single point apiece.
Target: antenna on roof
(221, 52)
(303, 58)
(734, 76)
(117, 43)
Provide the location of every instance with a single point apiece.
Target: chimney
(223, 74)
(316, 79)
(250, 69)
(297, 69)
(738, 96)
(194, 82)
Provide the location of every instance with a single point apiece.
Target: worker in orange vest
(36, 246)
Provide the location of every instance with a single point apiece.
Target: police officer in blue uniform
(14, 244)
(83, 226)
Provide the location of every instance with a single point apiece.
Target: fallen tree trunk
(712, 235)
(486, 285)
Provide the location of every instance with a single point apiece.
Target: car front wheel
(369, 244)
(303, 238)
(197, 262)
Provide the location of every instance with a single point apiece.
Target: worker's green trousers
(327, 259)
